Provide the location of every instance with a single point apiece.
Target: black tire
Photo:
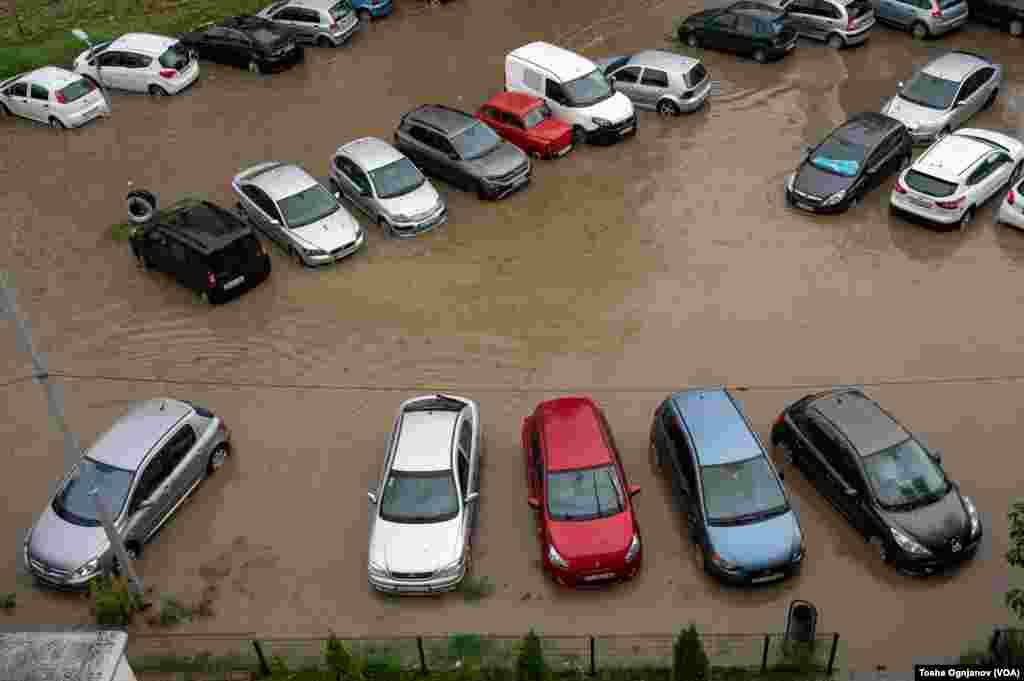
(965, 220)
(919, 30)
(692, 40)
(760, 56)
(667, 108)
(134, 552)
(254, 66)
(141, 206)
(1016, 28)
(56, 123)
(323, 42)
(364, 16)
(836, 42)
(579, 136)
(4, 110)
(296, 256)
(481, 192)
(991, 99)
(217, 458)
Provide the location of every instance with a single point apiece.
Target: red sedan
(528, 123)
(588, 532)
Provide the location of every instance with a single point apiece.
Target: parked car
(205, 247)
(884, 480)
(140, 62)
(575, 90)
(298, 213)
(258, 44)
(759, 32)
(1011, 211)
(840, 23)
(144, 466)
(924, 18)
(1008, 14)
(426, 504)
(527, 122)
(372, 9)
(324, 23)
(52, 95)
(380, 181)
(740, 520)
(453, 145)
(577, 484)
(956, 175)
(944, 94)
(852, 160)
(665, 82)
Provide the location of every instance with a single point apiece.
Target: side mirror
(936, 455)
(472, 496)
(534, 502)
(275, 222)
(850, 492)
(634, 490)
(899, 85)
(373, 496)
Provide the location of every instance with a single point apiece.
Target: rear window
(175, 57)
(926, 184)
(946, 4)
(341, 9)
(859, 8)
(696, 74)
(235, 255)
(77, 90)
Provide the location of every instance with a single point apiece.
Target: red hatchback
(528, 123)
(588, 531)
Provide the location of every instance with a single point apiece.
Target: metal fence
(586, 655)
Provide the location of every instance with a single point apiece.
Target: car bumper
(698, 98)
(410, 229)
(496, 191)
(60, 581)
(613, 133)
(284, 61)
(770, 575)
(859, 36)
(344, 34)
(337, 254)
(936, 564)
(937, 216)
(252, 279)
(814, 204)
(1008, 215)
(778, 52)
(943, 27)
(597, 577)
(176, 85)
(82, 117)
(411, 587)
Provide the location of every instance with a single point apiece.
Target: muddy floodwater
(626, 272)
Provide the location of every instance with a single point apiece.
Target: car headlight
(376, 570)
(972, 513)
(88, 569)
(315, 252)
(634, 549)
(724, 564)
(908, 545)
(790, 180)
(450, 570)
(602, 122)
(834, 199)
(555, 558)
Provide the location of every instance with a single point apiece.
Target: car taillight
(61, 99)
(782, 419)
(850, 24)
(168, 73)
(950, 205)
(900, 189)
(212, 280)
(333, 26)
(1011, 197)
(937, 12)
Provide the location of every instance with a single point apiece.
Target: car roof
(203, 225)
(246, 21)
(451, 121)
(371, 153)
(952, 156)
(132, 436)
(716, 426)
(868, 128)
(955, 65)
(659, 59)
(768, 13)
(514, 102)
(572, 434)
(146, 43)
(565, 65)
(313, 4)
(425, 440)
(282, 180)
(51, 76)
(869, 428)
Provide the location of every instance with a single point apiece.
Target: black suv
(459, 148)
(748, 28)
(1005, 13)
(206, 248)
(258, 44)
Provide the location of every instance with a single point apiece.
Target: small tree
(1015, 556)
(530, 659)
(689, 661)
(112, 600)
(340, 662)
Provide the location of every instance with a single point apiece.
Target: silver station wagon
(425, 507)
(144, 466)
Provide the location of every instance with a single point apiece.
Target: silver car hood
(415, 547)
(914, 115)
(422, 200)
(64, 545)
(336, 230)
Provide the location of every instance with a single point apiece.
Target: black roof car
(253, 42)
(749, 28)
(883, 479)
(1008, 14)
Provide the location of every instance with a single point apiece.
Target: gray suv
(457, 147)
(144, 466)
(837, 22)
(666, 82)
(324, 23)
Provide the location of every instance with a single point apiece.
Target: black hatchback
(747, 28)
(855, 158)
(251, 42)
(887, 484)
(205, 247)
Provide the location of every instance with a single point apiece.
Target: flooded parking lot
(667, 261)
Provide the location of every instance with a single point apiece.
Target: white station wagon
(425, 506)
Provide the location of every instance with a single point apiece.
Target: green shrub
(8, 602)
(798, 656)
(474, 588)
(530, 659)
(381, 666)
(172, 612)
(689, 661)
(340, 661)
(112, 601)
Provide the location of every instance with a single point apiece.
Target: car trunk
(244, 257)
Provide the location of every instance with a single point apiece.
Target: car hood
(913, 115)
(503, 159)
(550, 130)
(422, 200)
(334, 231)
(936, 524)
(820, 183)
(415, 547)
(615, 109)
(64, 545)
(758, 545)
(585, 541)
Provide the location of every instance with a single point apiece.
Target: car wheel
(4, 110)
(692, 40)
(1016, 28)
(364, 16)
(323, 42)
(217, 459)
(699, 559)
(578, 136)
(655, 456)
(133, 550)
(157, 91)
(56, 123)
(668, 108)
(384, 225)
(254, 66)
(836, 42)
(991, 99)
(297, 256)
(759, 56)
(878, 544)
(965, 219)
(919, 30)
(481, 192)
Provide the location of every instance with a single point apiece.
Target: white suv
(956, 175)
(141, 62)
(54, 96)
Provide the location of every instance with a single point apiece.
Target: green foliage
(474, 588)
(381, 666)
(279, 669)
(8, 602)
(799, 656)
(340, 661)
(172, 612)
(112, 601)
(530, 664)
(122, 231)
(689, 661)
(1015, 556)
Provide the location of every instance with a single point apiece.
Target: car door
(882, 162)
(514, 130)
(217, 45)
(180, 472)
(308, 22)
(745, 36)
(17, 99)
(538, 469)
(990, 176)
(965, 104)
(652, 86)
(421, 150)
(238, 48)
(625, 80)
(721, 32)
(801, 17)
(110, 70)
(810, 441)
(843, 459)
(468, 476)
(292, 18)
(149, 502)
(156, 248)
(356, 185)
(683, 475)
(901, 12)
(827, 449)
(828, 19)
(39, 103)
(263, 213)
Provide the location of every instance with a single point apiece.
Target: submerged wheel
(919, 30)
(879, 546)
(217, 459)
(323, 42)
(692, 40)
(668, 108)
(1016, 28)
(157, 91)
(835, 41)
(759, 56)
(55, 123)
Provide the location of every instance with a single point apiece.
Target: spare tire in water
(141, 206)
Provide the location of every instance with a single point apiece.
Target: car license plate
(626, 131)
(564, 151)
(599, 576)
(920, 202)
(767, 578)
(233, 283)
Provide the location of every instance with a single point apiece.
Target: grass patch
(200, 663)
(8, 602)
(474, 588)
(122, 231)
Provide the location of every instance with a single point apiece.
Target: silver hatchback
(666, 82)
(837, 22)
(324, 23)
(383, 183)
(145, 466)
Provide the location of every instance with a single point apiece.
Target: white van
(575, 90)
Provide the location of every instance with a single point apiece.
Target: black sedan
(887, 484)
(257, 44)
(855, 158)
(747, 28)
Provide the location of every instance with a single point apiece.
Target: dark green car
(745, 27)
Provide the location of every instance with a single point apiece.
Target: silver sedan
(383, 183)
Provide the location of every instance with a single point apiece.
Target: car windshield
(537, 115)
(308, 206)
(930, 91)
(415, 497)
(341, 9)
(741, 491)
(589, 89)
(859, 8)
(397, 178)
(839, 157)
(174, 57)
(903, 475)
(74, 504)
(77, 90)
(696, 74)
(585, 494)
(475, 141)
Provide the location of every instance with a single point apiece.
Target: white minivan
(575, 90)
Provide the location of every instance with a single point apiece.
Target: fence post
(264, 668)
(832, 653)
(423, 657)
(764, 654)
(593, 661)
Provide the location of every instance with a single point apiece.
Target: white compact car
(1011, 212)
(956, 175)
(140, 62)
(52, 95)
